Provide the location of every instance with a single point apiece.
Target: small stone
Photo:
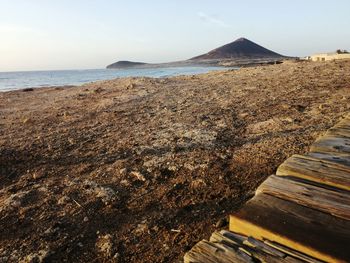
(27, 120)
(107, 195)
(155, 228)
(172, 168)
(166, 247)
(323, 106)
(27, 89)
(300, 108)
(189, 166)
(141, 228)
(243, 115)
(49, 231)
(86, 219)
(138, 175)
(38, 256)
(122, 171)
(38, 175)
(105, 246)
(131, 86)
(288, 120)
(63, 200)
(198, 183)
(124, 182)
(98, 90)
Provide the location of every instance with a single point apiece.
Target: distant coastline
(241, 52)
(242, 62)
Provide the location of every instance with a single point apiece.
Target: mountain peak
(241, 39)
(239, 49)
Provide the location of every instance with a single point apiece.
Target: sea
(34, 79)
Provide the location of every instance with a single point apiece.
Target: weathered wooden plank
(316, 170)
(339, 158)
(329, 201)
(309, 231)
(345, 124)
(338, 132)
(331, 144)
(341, 129)
(228, 238)
(264, 257)
(293, 260)
(263, 247)
(255, 248)
(330, 163)
(292, 252)
(208, 252)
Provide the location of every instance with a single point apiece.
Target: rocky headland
(241, 52)
(126, 64)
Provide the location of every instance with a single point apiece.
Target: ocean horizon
(17, 80)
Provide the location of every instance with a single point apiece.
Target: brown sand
(139, 169)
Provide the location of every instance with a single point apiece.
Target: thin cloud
(212, 20)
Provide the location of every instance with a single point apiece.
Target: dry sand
(140, 169)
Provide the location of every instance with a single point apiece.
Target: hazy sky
(73, 34)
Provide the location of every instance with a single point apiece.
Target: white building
(329, 56)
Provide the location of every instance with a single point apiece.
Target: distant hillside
(240, 52)
(239, 49)
(125, 64)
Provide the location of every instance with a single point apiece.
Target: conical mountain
(239, 49)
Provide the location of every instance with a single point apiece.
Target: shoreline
(218, 64)
(140, 169)
(102, 75)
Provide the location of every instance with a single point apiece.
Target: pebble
(63, 200)
(138, 175)
(104, 245)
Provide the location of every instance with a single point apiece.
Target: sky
(88, 34)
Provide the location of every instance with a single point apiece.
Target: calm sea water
(25, 79)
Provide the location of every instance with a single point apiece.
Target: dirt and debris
(140, 169)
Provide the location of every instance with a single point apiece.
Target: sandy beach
(140, 169)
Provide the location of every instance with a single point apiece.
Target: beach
(140, 169)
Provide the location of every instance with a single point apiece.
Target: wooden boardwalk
(301, 214)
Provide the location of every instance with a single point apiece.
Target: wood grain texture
(317, 170)
(342, 128)
(309, 231)
(329, 201)
(259, 251)
(338, 132)
(230, 238)
(292, 252)
(339, 158)
(259, 245)
(345, 123)
(208, 252)
(331, 144)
